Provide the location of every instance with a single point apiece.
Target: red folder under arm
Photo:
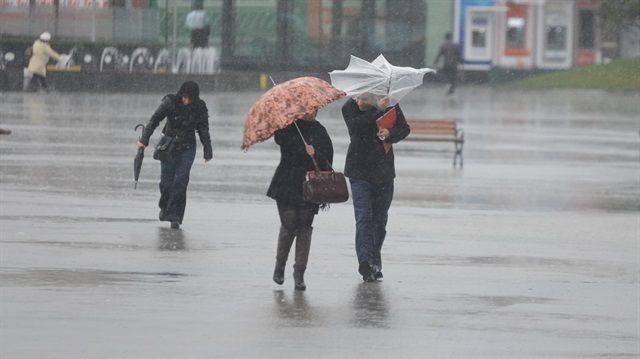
(388, 120)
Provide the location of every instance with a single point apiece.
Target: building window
(516, 36)
(515, 32)
(586, 30)
(479, 33)
(556, 37)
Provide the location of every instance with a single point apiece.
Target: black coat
(366, 157)
(286, 185)
(182, 123)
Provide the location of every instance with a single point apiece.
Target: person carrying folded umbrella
(186, 114)
(371, 172)
(296, 215)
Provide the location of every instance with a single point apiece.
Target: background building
(315, 35)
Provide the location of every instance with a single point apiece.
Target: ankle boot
(285, 240)
(303, 245)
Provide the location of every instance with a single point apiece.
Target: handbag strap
(313, 159)
(305, 144)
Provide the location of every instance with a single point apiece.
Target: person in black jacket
(186, 114)
(371, 174)
(296, 215)
(451, 54)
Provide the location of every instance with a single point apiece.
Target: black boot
(303, 245)
(285, 240)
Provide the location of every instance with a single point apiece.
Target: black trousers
(200, 37)
(38, 81)
(294, 217)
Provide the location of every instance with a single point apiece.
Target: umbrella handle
(305, 143)
(297, 128)
(139, 125)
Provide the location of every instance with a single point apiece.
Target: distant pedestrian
(198, 22)
(296, 215)
(451, 54)
(41, 51)
(186, 114)
(371, 172)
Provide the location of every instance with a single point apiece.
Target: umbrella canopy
(137, 161)
(285, 103)
(378, 77)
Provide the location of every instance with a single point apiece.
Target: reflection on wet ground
(370, 308)
(69, 278)
(530, 250)
(171, 239)
(294, 310)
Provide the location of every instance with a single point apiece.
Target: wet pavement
(531, 250)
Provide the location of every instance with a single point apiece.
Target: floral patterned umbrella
(283, 104)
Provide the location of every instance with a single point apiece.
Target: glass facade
(271, 34)
(301, 33)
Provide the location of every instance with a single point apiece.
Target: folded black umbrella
(137, 161)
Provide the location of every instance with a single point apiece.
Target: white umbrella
(378, 77)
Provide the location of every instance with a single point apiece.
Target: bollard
(263, 81)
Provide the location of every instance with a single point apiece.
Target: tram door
(480, 36)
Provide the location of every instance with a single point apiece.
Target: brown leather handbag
(325, 187)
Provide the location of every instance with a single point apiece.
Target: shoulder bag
(167, 144)
(164, 148)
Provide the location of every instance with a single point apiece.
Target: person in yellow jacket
(41, 53)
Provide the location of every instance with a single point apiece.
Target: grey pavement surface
(531, 250)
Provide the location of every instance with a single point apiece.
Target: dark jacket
(286, 185)
(451, 54)
(366, 157)
(182, 123)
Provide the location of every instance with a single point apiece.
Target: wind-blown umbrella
(285, 103)
(137, 161)
(378, 77)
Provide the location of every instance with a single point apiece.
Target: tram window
(556, 37)
(479, 38)
(586, 32)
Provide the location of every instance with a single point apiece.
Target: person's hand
(384, 102)
(383, 133)
(141, 145)
(310, 150)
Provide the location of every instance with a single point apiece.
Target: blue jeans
(371, 204)
(174, 179)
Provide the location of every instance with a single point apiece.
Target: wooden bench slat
(437, 130)
(434, 131)
(434, 139)
(415, 120)
(423, 127)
